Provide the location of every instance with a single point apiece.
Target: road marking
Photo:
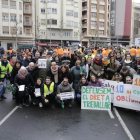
(8, 115)
(123, 124)
(111, 114)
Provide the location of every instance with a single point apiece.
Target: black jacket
(80, 85)
(28, 81)
(34, 73)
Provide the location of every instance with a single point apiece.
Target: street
(36, 123)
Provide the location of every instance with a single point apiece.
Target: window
(75, 14)
(43, 32)
(5, 3)
(75, 24)
(67, 34)
(101, 32)
(75, 34)
(69, 13)
(27, 20)
(76, 4)
(5, 29)
(93, 23)
(93, 15)
(20, 31)
(43, 1)
(20, 18)
(12, 4)
(102, 1)
(101, 24)
(20, 6)
(52, 33)
(54, 1)
(27, 8)
(69, 2)
(93, 7)
(13, 30)
(101, 8)
(27, 31)
(52, 21)
(5, 17)
(69, 23)
(52, 10)
(42, 10)
(43, 22)
(12, 17)
(101, 16)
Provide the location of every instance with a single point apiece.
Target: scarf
(127, 61)
(79, 69)
(83, 63)
(55, 73)
(98, 62)
(21, 76)
(106, 63)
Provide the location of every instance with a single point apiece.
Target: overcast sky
(138, 1)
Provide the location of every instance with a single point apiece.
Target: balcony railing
(27, 0)
(27, 12)
(13, 7)
(7, 19)
(4, 5)
(5, 32)
(27, 23)
(12, 19)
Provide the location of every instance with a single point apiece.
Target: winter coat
(28, 81)
(96, 69)
(80, 85)
(100, 84)
(13, 75)
(34, 73)
(130, 73)
(64, 88)
(26, 62)
(77, 76)
(86, 67)
(42, 72)
(125, 63)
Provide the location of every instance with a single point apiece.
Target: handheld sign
(37, 90)
(122, 97)
(73, 48)
(42, 63)
(66, 95)
(96, 98)
(22, 88)
(136, 88)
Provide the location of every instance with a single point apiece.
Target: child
(37, 100)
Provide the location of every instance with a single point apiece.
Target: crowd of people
(65, 71)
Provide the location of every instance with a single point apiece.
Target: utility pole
(35, 25)
(61, 34)
(50, 30)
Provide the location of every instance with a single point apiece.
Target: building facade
(58, 22)
(17, 23)
(135, 22)
(95, 22)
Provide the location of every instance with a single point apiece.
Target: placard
(136, 88)
(42, 63)
(96, 98)
(37, 94)
(73, 48)
(122, 97)
(66, 95)
(110, 83)
(21, 87)
(137, 41)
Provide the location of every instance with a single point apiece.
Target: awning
(41, 44)
(25, 45)
(53, 45)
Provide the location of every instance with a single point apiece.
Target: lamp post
(118, 30)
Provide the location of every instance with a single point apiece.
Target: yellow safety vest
(47, 91)
(4, 70)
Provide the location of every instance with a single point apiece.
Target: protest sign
(66, 95)
(110, 83)
(42, 63)
(137, 41)
(124, 48)
(122, 97)
(96, 98)
(38, 93)
(73, 48)
(136, 88)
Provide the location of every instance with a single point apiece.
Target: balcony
(84, 16)
(84, 8)
(5, 32)
(84, 0)
(4, 5)
(5, 19)
(84, 33)
(14, 20)
(27, 24)
(94, 1)
(84, 25)
(27, 1)
(28, 12)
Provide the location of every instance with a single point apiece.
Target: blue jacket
(26, 62)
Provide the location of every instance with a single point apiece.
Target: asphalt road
(34, 123)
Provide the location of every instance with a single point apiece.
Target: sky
(138, 1)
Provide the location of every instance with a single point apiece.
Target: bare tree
(80, 32)
(38, 34)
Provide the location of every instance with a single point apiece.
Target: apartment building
(95, 22)
(135, 22)
(16, 26)
(58, 20)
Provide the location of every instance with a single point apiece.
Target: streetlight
(118, 30)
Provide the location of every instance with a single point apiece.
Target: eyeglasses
(65, 81)
(128, 80)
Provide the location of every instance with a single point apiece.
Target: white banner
(122, 97)
(42, 63)
(137, 41)
(73, 48)
(110, 83)
(96, 98)
(66, 95)
(136, 88)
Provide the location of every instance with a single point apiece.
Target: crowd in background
(66, 71)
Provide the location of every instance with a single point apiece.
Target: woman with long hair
(128, 61)
(95, 82)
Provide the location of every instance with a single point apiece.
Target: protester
(48, 92)
(128, 61)
(85, 65)
(57, 60)
(23, 78)
(64, 87)
(95, 82)
(1, 51)
(13, 61)
(4, 68)
(27, 60)
(37, 56)
(128, 80)
(117, 77)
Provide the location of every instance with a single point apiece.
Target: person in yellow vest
(80, 50)
(57, 50)
(48, 93)
(61, 52)
(89, 54)
(4, 68)
(138, 51)
(133, 51)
